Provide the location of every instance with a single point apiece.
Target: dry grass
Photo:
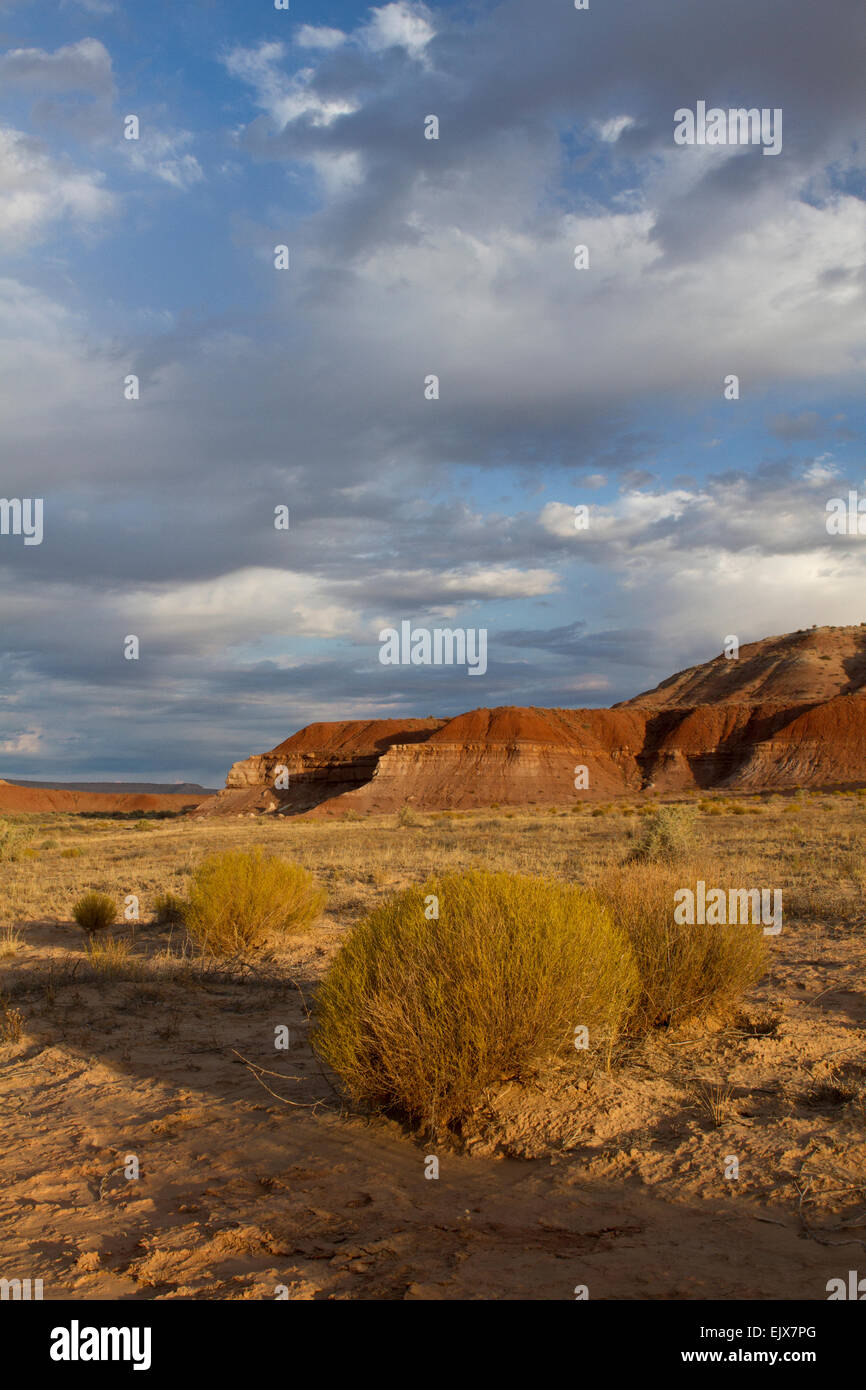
(714, 1099)
(11, 1023)
(112, 959)
(169, 910)
(817, 862)
(239, 900)
(421, 1014)
(10, 942)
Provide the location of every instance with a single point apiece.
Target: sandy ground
(614, 1181)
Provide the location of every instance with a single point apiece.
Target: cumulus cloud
(37, 191)
(399, 25)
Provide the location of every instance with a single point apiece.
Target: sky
(303, 388)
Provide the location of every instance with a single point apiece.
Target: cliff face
(516, 756)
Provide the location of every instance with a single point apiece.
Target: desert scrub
(13, 841)
(238, 899)
(686, 972)
(168, 910)
(666, 835)
(420, 1015)
(94, 912)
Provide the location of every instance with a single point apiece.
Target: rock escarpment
(790, 712)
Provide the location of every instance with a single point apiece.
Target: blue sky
(304, 388)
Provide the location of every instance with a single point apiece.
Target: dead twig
(258, 1072)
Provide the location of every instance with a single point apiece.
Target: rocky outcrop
(516, 756)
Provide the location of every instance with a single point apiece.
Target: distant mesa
(789, 712)
(104, 798)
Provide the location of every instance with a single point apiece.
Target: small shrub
(406, 816)
(71, 853)
(168, 910)
(665, 836)
(421, 1016)
(94, 912)
(50, 844)
(13, 841)
(238, 899)
(686, 972)
(143, 825)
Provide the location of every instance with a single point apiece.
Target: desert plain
(259, 1179)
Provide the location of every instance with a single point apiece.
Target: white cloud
(399, 25)
(319, 36)
(228, 609)
(821, 471)
(37, 191)
(612, 129)
(163, 155)
(466, 584)
(285, 98)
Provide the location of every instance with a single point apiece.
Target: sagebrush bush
(667, 835)
(420, 1015)
(94, 912)
(168, 910)
(685, 972)
(238, 899)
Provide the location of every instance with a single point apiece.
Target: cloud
(76, 67)
(399, 25)
(29, 741)
(285, 99)
(412, 257)
(37, 191)
(319, 36)
(805, 425)
(163, 155)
